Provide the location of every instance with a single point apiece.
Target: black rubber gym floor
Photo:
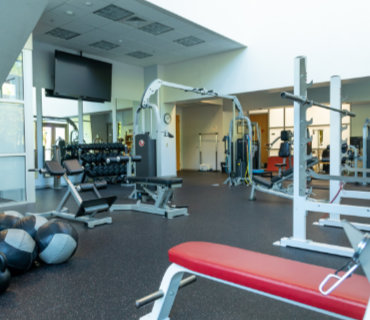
(118, 263)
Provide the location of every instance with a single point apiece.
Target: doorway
(262, 120)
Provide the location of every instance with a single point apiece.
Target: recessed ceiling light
(105, 45)
(88, 3)
(156, 28)
(62, 33)
(189, 41)
(135, 21)
(139, 54)
(113, 12)
(120, 40)
(69, 12)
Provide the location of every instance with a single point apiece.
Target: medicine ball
(30, 224)
(19, 248)
(7, 221)
(4, 273)
(13, 213)
(57, 241)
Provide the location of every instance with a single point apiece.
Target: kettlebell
(4, 273)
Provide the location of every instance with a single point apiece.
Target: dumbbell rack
(93, 157)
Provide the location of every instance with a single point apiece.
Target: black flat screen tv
(83, 78)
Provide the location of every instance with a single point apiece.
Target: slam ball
(57, 241)
(30, 224)
(4, 273)
(19, 248)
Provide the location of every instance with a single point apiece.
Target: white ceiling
(78, 16)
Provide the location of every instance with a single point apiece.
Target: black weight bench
(86, 208)
(274, 185)
(154, 195)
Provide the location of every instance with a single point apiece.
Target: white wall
(332, 34)
(201, 118)
(362, 112)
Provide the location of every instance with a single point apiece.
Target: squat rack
(158, 83)
(301, 203)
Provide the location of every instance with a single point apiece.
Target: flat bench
(286, 280)
(157, 181)
(154, 195)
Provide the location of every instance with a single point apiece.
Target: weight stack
(146, 148)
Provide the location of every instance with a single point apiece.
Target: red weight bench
(286, 280)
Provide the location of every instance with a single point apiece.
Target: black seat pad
(54, 168)
(262, 181)
(94, 202)
(166, 181)
(73, 167)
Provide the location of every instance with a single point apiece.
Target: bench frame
(86, 208)
(161, 197)
(170, 285)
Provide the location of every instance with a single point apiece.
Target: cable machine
(160, 132)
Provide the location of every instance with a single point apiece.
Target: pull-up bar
(287, 95)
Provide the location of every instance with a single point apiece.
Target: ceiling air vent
(113, 12)
(105, 45)
(189, 41)
(156, 28)
(62, 33)
(139, 54)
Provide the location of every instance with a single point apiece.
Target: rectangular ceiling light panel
(62, 33)
(105, 45)
(139, 54)
(113, 12)
(156, 28)
(189, 41)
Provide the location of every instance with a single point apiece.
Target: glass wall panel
(11, 128)
(13, 179)
(12, 88)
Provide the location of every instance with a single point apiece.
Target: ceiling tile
(68, 7)
(128, 38)
(78, 27)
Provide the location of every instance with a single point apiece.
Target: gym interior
(187, 160)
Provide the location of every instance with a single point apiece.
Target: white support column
(114, 121)
(300, 147)
(40, 153)
(80, 121)
(28, 122)
(335, 140)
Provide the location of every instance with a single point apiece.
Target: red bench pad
(281, 277)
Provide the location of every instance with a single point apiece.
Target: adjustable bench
(158, 190)
(86, 208)
(274, 184)
(282, 279)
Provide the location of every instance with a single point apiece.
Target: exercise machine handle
(339, 280)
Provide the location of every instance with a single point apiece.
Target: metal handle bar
(287, 95)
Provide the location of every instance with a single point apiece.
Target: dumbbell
(4, 273)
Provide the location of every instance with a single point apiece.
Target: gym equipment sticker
(141, 143)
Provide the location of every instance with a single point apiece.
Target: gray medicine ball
(57, 241)
(19, 248)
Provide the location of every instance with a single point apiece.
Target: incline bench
(286, 280)
(86, 208)
(159, 190)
